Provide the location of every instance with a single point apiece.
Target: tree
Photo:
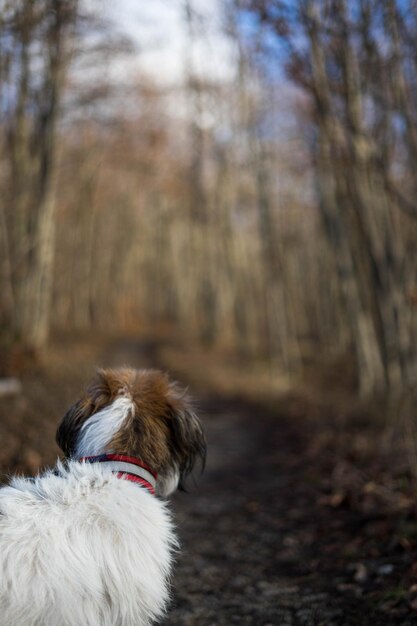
(356, 62)
(35, 40)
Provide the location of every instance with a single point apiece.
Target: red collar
(126, 467)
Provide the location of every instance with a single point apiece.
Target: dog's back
(82, 547)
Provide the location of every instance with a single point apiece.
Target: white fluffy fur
(98, 431)
(83, 548)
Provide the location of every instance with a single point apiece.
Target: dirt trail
(258, 548)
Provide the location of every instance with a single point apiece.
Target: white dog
(90, 543)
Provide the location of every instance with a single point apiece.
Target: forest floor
(303, 516)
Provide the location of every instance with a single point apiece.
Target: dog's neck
(126, 467)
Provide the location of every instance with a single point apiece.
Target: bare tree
(354, 72)
(35, 40)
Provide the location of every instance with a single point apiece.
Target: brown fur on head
(161, 429)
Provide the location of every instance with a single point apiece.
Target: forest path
(268, 536)
(259, 548)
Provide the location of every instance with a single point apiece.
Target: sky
(159, 30)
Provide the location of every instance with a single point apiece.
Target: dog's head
(139, 413)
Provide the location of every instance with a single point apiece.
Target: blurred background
(224, 188)
(242, 172)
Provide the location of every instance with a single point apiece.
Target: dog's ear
(187, 441)
(74, 418)
(96, 397)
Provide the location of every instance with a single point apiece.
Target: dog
(91, 542)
